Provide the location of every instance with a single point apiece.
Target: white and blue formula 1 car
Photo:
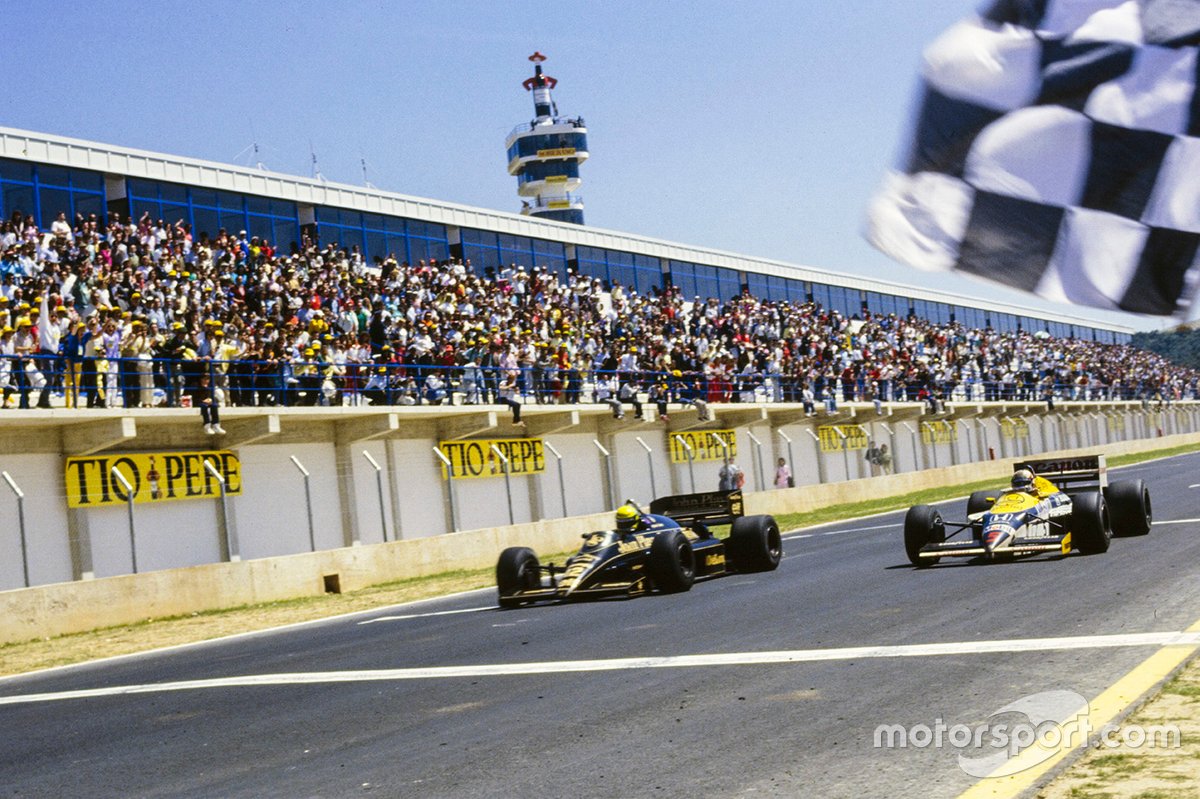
(1052, 506)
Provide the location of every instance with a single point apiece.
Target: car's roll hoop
(709, 508)
(1084, 471)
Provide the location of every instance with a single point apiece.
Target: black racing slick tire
(672, 562)
(1091, 527)
(755, 544)
(922, 525)
(516, 571)
(1129, 504)
(978, 502)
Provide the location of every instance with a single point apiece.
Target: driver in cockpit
(1024, 480)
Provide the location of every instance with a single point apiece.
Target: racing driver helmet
(1022, 480)
(627, 518)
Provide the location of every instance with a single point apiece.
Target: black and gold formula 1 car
(664, 550)
(1062, 504)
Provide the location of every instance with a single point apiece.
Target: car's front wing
(1021, 546)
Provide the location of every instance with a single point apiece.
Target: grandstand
(45, 175)
(128, 275)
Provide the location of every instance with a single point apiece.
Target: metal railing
(144, 381)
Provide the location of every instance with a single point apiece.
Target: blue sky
(756, 127)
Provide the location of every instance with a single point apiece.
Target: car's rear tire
(1091, 527)
(754, 544)
(1129, 504)
(978, 502)
(672, 562)
(922, 525)
(516, 570)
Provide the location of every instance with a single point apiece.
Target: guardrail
(150, 382)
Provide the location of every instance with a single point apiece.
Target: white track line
(625, 664)
(427, 615)
(1176, 521)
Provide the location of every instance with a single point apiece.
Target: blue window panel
(87, 204)
(374, 222)
(146, 189)
(481, 257)
(760, 286)
(625, 275)
(282, 208)
(233, 222)
(204, 221)
(530, 145)
(171, 213)
(648, 279)
(285, 233)
(229, 200)
(429, 230)
(683, 277)
(53, 202)
(376, 245)
(53, 175)
(350, 238)
(21, 171)
(507, 242)
(436, 249)
(260, 226)
(85, 180)
(557, 266)
(173, 192)
(138, 206)
(552, 249)
(258, 205)
(205, 197)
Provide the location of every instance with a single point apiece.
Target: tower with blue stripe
(545, 153)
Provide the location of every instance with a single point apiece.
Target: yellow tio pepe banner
(706, 445)
(852, 437)
(478, 459)
(153, 476)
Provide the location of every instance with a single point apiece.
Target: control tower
(545, 153)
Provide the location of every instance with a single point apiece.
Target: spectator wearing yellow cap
(7, 359)
(24, 347)
(133, 347)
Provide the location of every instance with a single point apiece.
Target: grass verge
(157, 633)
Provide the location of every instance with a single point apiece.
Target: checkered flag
(1057, 150)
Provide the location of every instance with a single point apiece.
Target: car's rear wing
(712, 507)
(1084, 471)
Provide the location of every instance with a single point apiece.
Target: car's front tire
(978, 502)
(516, 570)
(672, 562)
(922, 525)
(755, 544)
(1091, 527)
(1129, 503)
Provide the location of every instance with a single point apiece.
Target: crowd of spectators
(131, 312)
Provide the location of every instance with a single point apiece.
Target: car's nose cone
(996, 537)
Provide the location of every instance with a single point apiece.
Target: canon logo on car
(1089, 463)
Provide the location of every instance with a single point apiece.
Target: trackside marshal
(154, 477)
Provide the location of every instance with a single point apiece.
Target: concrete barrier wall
(62, 608)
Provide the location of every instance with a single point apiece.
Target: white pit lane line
(629, 664)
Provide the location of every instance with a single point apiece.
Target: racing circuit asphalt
(692, 728)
